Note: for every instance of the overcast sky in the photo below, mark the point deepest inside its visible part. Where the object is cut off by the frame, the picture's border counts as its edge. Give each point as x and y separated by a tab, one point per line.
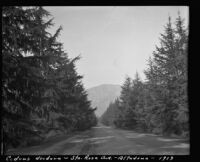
112	41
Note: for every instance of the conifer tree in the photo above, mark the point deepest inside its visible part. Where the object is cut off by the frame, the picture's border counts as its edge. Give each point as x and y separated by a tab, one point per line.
182	118
34	68
124	106
164	74
159	105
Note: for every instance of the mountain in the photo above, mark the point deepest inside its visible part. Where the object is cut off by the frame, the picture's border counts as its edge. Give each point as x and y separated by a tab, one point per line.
101	96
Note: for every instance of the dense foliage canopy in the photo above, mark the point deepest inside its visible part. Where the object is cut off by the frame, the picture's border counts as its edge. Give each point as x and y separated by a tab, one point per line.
160	104
41	90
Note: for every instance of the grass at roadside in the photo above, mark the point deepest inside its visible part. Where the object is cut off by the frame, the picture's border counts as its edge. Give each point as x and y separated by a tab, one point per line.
48	142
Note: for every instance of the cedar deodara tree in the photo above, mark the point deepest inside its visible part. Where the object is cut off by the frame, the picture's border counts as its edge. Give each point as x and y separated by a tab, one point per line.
39	82
167	79
159	104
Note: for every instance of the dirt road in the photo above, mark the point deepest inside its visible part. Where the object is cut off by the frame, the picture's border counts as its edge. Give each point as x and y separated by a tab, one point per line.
102	140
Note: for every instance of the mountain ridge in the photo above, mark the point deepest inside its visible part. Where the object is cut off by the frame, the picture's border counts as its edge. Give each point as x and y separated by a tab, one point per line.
101	96
102	85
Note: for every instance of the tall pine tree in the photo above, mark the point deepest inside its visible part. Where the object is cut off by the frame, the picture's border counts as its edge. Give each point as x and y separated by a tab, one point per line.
34	68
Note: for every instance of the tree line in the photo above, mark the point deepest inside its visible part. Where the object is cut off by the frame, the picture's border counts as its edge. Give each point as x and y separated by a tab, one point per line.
160	103
41	90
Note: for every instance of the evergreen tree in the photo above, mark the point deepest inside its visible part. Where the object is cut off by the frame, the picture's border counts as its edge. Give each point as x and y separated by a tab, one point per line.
124	106
131	104
138	104
165	71
39	81
159	105
182	118
22	76
110	115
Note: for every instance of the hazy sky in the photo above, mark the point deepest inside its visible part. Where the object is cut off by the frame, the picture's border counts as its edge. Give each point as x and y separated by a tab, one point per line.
112	41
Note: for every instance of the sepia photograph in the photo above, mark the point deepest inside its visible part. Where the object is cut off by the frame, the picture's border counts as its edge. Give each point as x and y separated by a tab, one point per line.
95	80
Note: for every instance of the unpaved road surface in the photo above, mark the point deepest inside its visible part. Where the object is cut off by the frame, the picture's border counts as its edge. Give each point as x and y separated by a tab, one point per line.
102	140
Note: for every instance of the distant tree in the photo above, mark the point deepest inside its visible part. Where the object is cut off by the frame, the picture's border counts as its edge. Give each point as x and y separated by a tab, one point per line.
109	116
124	103
130	110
